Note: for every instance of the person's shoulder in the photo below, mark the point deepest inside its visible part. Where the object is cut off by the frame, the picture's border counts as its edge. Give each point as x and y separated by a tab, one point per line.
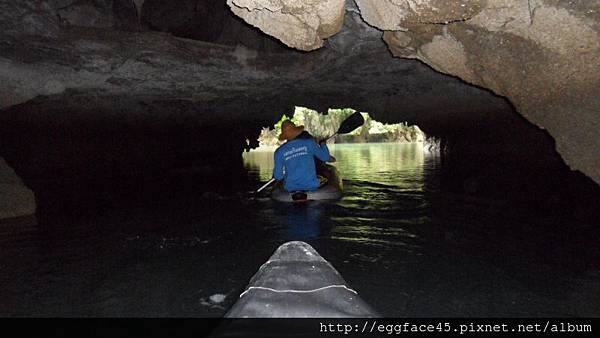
305	140
309	141
281	147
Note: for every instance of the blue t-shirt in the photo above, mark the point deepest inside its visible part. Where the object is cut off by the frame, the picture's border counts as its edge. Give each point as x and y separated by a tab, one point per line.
295	164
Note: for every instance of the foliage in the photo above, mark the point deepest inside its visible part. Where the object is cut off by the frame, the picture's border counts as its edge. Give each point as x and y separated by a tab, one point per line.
324	125
283	118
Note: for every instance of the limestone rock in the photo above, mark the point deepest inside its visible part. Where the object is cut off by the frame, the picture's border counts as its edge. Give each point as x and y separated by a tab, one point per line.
301	25
395	15
542	55
16	200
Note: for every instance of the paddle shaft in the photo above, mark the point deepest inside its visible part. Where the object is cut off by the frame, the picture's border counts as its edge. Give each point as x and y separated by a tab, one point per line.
266	185
327	139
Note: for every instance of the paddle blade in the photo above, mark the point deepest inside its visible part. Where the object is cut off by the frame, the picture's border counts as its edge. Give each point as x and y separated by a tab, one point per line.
352	122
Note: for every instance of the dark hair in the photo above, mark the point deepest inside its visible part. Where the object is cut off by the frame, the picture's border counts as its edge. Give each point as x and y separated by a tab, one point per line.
304	135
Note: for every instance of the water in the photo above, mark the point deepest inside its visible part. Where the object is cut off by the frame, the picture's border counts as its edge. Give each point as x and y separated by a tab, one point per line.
407	246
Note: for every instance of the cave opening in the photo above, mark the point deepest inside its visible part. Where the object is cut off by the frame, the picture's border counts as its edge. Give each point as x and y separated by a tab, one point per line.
370	150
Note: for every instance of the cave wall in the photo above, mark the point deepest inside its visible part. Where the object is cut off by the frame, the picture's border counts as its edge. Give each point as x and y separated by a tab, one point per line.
187	18
47	17
209	21
137	66
16	199
543	55
75	149
112	14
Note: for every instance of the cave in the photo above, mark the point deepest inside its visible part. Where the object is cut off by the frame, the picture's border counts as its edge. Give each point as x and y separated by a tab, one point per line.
123	124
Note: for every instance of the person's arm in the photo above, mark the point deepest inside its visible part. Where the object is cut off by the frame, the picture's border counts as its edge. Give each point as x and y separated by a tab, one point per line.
321	152
278	169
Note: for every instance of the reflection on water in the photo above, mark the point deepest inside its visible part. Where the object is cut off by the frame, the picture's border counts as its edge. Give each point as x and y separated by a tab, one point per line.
260	162
397	164
386	181
414	250
407	247
303	222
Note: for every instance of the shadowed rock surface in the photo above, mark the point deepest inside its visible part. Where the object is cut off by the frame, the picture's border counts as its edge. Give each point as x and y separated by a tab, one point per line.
16	200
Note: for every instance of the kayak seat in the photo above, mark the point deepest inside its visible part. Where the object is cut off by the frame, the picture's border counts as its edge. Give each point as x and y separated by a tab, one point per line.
299	196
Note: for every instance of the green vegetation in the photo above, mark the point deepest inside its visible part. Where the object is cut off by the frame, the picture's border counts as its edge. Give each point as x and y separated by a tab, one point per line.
324	125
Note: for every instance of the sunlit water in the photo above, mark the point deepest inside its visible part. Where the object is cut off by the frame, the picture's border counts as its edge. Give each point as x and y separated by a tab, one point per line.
407	247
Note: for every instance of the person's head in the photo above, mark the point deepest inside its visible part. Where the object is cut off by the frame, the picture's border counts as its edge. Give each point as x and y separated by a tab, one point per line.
289	130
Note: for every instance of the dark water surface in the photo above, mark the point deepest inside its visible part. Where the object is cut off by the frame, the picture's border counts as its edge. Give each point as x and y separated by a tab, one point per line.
408	247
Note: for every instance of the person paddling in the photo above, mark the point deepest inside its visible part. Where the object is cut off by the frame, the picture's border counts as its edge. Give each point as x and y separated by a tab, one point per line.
294	160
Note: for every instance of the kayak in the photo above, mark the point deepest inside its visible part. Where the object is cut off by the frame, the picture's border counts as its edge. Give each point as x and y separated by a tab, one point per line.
296	282
331	190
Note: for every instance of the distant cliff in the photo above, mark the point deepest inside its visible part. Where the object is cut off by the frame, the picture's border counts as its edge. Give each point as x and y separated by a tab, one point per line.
325	125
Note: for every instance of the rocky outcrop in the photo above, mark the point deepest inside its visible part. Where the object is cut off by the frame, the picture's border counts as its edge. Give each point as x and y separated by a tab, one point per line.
16	200
302	25
219	79
543	55
206	20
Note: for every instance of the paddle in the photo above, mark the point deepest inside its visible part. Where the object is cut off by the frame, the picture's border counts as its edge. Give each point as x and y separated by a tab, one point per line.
266	185
349	124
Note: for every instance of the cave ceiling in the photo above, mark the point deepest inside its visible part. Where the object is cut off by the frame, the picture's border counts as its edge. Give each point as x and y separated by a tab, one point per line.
233	81
199	55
